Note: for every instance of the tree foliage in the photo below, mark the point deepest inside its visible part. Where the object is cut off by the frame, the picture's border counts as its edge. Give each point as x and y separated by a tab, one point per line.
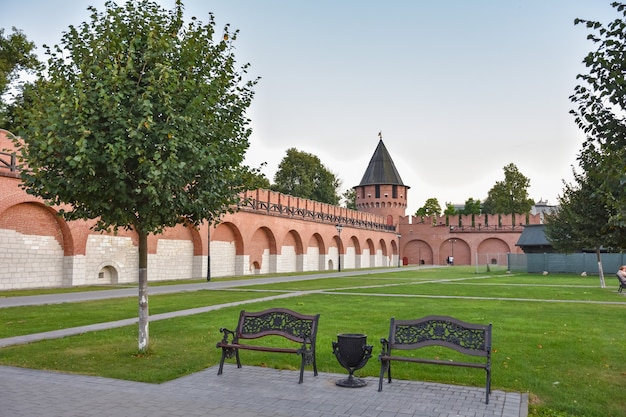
450	210
349	199
16	55
472	206
139	122
581	218
509	196
430	208
303	175
600	101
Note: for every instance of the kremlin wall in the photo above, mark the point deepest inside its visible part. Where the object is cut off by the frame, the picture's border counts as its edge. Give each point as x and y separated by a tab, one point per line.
270	233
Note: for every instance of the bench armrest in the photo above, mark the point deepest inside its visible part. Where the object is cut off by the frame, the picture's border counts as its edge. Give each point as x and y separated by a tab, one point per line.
386	350
227	332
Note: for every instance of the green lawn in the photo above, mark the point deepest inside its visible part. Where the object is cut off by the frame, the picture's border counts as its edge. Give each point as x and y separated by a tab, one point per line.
560	338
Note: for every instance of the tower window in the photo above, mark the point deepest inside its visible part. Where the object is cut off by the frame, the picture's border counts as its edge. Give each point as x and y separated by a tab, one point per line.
377	191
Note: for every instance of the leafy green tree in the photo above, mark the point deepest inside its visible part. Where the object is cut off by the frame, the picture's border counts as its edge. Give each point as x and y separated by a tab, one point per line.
139	122
601	104
430	208
471	206
580	222
450	209
16	56
349	199
258	180
509	196
302	174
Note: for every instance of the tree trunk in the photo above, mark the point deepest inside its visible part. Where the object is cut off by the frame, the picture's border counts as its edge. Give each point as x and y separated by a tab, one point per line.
600	270
144	316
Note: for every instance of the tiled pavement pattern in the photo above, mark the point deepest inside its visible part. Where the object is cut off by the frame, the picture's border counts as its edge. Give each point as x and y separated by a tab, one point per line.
246	392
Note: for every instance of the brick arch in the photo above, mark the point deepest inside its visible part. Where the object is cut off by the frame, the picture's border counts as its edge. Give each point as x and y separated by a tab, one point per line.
178	232
317	239
383	247
368	259
226	247
316	248
394	247
291	252
228	232
354	243
460	249
357	244
263	243
416	251
369	243
492	250
31	217
293	238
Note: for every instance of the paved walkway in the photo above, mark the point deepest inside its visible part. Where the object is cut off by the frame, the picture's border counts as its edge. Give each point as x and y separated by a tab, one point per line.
246	392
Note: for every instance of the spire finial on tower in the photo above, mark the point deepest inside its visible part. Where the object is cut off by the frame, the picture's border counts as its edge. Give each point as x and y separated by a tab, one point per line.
380	135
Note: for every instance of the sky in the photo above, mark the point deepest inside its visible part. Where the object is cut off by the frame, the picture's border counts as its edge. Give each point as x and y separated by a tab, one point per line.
458	89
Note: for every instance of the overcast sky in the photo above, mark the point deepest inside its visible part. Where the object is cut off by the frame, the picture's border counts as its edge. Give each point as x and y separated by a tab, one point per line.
458	88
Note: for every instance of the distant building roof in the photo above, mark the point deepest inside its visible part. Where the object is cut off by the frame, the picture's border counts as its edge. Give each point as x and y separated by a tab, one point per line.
533	238
381	169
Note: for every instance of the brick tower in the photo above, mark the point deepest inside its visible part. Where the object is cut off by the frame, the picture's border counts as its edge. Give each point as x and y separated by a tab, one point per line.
381	190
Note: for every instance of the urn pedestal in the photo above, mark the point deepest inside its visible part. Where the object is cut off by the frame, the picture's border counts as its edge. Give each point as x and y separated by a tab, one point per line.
352	352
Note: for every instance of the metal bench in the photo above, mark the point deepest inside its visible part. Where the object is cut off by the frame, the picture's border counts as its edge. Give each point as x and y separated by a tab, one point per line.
466	338
294	326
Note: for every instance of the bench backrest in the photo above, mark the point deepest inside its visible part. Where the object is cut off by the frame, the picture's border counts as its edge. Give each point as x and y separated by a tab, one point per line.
468	338
278	322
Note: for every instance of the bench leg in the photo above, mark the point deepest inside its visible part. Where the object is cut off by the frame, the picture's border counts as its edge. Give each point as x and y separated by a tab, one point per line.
301	370
221	368
224	354
385	366
488	387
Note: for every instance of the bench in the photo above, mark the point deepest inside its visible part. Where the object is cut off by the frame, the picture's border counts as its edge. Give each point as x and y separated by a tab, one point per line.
466	338
294	326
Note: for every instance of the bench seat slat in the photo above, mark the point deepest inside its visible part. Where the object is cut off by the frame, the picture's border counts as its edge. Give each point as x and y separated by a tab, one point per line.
259	348
433	361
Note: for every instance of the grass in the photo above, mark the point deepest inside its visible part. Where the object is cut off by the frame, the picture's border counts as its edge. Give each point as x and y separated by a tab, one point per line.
560	337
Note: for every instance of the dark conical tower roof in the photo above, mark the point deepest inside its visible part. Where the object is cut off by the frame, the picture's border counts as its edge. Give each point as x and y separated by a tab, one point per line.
381	169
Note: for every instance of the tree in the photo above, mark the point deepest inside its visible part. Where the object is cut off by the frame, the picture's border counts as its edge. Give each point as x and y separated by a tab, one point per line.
580	221
139	122
471	206
258	180
600	114
349	199
302	174
450	209
430	208
16	55
509	196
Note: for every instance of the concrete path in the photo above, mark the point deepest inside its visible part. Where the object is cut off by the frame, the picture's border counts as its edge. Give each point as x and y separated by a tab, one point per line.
250	391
